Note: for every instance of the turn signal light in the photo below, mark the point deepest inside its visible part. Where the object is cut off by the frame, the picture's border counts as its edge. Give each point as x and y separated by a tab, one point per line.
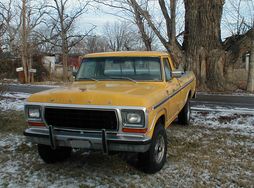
134	130
36	124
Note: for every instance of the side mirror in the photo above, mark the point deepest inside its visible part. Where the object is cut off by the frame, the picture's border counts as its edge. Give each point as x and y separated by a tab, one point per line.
177	73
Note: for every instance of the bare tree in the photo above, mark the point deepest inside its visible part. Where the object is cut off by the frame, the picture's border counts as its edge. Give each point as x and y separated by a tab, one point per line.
62	20
130	14
11	24
146	35
95	43
202	50
169	40
119	36
238	16
31	17
2	30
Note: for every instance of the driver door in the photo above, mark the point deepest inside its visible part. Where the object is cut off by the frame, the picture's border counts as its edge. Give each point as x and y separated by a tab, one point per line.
172	87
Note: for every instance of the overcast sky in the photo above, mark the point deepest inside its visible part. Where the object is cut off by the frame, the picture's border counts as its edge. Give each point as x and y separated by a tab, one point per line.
101	15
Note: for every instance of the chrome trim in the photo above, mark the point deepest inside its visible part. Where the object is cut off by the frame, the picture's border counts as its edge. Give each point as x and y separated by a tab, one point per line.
172	95
117	110
132	143
85	106
130	135
177	73
33	119
135	126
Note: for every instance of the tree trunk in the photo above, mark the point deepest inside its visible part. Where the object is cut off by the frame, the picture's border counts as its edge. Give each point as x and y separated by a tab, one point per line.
202	42
250	85
65	67
65	55
145	38
30	60
172	47
24	53
65	61
141	26
173	20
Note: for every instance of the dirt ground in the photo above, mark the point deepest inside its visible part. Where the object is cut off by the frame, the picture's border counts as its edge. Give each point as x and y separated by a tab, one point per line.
199	155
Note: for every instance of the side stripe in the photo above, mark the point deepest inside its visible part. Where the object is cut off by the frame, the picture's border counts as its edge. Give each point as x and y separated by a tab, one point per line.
172	95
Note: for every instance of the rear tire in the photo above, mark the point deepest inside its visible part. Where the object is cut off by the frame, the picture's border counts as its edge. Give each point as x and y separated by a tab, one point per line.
154	159
50	155
184	115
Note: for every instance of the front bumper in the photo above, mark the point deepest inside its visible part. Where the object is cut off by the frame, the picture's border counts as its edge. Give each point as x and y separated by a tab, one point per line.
103	140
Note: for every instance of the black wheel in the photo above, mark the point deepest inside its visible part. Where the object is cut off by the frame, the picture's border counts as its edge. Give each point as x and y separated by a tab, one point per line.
154	159
184	115
50	155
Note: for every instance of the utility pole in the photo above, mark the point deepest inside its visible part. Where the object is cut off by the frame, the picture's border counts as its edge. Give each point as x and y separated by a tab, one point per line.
250	85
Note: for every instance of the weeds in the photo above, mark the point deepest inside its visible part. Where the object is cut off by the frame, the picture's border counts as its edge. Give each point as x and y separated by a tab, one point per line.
12	121
3	89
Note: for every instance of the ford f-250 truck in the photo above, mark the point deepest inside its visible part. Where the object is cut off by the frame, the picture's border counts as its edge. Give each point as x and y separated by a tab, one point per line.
120	101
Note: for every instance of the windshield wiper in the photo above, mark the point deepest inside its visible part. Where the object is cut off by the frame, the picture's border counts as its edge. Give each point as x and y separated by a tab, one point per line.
88	78
122	78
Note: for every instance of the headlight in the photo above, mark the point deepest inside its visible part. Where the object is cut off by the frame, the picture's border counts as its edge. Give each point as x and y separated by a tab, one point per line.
133	118
34	112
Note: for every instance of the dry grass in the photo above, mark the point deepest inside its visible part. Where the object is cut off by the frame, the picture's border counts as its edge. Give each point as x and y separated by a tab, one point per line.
3	88
12	122
197	157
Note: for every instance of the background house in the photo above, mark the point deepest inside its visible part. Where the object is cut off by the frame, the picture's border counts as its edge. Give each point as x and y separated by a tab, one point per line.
237	69
53	63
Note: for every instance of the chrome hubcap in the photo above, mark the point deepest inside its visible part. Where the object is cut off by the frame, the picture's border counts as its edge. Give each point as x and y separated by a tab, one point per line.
159	149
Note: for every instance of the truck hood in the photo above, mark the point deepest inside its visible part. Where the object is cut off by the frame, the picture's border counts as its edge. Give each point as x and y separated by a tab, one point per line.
104	93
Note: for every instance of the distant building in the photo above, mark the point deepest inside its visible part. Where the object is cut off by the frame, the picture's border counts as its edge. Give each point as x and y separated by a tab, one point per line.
49	62
53	63
238	66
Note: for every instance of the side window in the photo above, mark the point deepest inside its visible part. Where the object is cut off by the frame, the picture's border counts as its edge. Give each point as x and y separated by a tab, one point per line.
167	69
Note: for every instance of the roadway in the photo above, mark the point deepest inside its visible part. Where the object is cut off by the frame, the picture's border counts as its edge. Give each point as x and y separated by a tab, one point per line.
208	100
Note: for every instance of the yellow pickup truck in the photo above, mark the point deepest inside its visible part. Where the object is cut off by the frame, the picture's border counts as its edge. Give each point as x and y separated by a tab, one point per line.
120	101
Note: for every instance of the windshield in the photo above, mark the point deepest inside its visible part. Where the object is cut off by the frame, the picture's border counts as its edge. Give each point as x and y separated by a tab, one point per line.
125	68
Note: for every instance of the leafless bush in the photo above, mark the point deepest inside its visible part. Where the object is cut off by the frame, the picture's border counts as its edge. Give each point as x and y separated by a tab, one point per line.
4	73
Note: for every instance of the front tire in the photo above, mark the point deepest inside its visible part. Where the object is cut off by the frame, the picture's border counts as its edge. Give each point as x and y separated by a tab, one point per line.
154	159
184	115
50	155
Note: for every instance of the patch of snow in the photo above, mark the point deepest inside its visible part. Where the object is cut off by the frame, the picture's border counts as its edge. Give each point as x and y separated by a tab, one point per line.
226	94
20	165
36	85
222	109
13	101
7	80
236	121
16	95
11	142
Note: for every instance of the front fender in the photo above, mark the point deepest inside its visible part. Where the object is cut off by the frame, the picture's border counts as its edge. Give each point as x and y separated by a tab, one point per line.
153	119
